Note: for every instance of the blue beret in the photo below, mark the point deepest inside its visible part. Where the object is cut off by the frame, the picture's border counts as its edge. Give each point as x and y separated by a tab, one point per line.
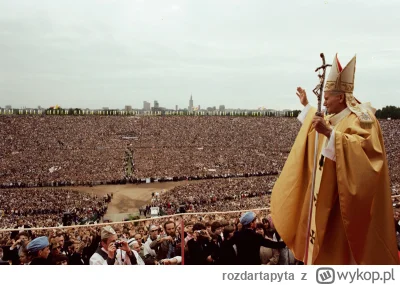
38	244
247	218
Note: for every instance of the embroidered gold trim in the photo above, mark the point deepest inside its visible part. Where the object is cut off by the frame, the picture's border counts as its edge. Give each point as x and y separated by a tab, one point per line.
366	120
339	86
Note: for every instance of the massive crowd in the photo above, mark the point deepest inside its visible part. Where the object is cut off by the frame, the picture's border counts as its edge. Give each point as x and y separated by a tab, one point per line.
51	151
391	132
68	150
46	207
77	245
206	239
217	195
58	151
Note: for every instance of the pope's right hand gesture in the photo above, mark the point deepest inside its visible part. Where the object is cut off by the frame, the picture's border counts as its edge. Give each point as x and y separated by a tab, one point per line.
301	93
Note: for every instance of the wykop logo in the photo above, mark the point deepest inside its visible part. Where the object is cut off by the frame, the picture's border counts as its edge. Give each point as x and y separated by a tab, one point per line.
325	275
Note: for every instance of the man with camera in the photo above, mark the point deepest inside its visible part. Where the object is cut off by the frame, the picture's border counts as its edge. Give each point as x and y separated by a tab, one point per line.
111	251
166	247
202	250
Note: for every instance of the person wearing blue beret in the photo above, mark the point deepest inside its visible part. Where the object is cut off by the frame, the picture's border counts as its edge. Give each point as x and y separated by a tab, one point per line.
39	250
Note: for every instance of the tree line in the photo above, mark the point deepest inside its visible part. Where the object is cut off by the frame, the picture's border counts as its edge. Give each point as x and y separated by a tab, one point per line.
392	112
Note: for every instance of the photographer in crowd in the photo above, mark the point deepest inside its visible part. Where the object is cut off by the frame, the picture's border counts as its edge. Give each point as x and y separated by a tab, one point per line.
201	248
111	251
167	248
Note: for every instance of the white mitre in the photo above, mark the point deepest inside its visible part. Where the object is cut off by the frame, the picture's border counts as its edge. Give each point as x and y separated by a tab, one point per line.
341	80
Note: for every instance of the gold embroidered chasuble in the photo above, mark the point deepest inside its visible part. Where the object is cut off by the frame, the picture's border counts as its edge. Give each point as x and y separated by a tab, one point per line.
352	215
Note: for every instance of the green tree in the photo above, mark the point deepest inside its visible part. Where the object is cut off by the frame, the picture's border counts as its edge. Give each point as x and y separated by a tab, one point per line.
392	112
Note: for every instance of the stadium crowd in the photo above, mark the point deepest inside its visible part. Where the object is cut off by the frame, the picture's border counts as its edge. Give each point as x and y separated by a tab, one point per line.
150	240
207	239
69	151
217	195
59	151
46	207
391	132
92	150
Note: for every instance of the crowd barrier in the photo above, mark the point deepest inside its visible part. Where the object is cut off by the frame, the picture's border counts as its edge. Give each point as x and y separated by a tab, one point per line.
229	217
179	220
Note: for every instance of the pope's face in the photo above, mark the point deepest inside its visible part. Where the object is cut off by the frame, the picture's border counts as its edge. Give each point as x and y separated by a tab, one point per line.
334	102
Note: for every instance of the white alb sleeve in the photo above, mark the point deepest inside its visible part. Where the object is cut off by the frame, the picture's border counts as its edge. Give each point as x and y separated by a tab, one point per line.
329	151
302	116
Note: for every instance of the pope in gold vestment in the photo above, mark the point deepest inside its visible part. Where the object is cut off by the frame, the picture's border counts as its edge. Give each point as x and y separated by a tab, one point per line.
352	220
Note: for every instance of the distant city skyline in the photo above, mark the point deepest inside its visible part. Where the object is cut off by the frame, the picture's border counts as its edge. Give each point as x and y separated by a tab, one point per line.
241	54
146	105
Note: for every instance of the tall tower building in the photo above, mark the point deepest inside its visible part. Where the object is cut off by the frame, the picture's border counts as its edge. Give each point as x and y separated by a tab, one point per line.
191	103
146	106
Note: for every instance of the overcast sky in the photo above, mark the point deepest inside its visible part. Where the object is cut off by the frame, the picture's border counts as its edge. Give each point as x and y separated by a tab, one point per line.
241	53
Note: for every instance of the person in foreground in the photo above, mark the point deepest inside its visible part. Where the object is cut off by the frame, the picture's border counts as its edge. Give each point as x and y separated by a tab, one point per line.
39	250
248	242
108	252
352	220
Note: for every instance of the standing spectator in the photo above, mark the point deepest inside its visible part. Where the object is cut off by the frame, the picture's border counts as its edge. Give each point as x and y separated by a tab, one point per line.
11	253
2	262
39	250
167	247
134	244
75	257
60	259
228	251
139	237
201	248
397	227
188	231
147	251
21	227
248	242
24	257
216	228
60	239
108	254
268	256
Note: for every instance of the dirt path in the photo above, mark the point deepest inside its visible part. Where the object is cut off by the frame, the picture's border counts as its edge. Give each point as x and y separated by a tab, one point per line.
128	198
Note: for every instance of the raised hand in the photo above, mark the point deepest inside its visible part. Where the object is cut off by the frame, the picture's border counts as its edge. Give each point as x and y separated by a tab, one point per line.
301	93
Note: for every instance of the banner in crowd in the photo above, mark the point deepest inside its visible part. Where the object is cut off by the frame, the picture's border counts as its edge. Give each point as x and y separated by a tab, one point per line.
80	112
